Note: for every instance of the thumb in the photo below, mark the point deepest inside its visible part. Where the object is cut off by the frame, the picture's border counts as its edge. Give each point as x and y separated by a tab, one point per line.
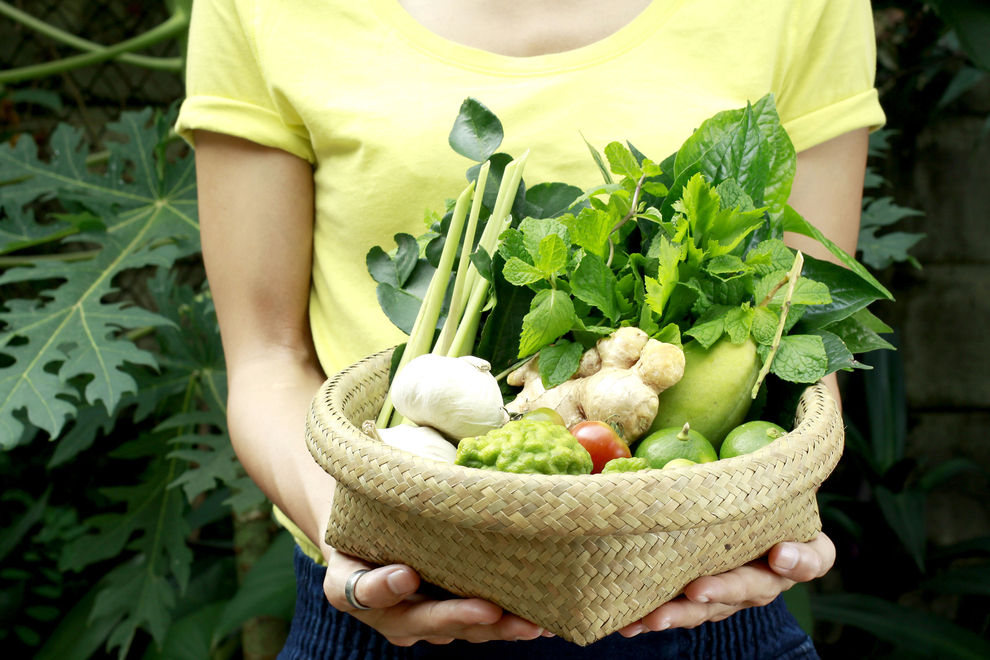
379	587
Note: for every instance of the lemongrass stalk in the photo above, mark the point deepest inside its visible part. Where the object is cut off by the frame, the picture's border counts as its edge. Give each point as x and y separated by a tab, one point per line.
499	221
511	176
459	297
421	337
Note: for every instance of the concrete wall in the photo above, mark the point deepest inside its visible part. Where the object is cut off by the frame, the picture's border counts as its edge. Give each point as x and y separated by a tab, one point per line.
942	312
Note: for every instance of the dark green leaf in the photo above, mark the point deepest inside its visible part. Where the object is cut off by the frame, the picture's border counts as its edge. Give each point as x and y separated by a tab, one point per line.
599	161
839	355
971	22
973	579
190	636
553	199
849	292
74	330
858	335
11	536
905	513
559	362
394	271
477	132
792	221
946	471
882	250
919	632
268	589
482	262
76	638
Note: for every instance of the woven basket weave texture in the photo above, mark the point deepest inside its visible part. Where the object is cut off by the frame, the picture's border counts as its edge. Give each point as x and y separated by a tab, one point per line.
581	556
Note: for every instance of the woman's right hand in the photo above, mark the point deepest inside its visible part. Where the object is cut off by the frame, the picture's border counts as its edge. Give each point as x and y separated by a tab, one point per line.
405	617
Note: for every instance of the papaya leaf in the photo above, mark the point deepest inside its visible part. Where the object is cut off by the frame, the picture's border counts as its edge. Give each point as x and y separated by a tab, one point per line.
67	346
140	592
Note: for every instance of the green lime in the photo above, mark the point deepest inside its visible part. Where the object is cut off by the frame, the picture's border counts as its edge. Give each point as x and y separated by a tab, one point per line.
663	446
679	463
749	437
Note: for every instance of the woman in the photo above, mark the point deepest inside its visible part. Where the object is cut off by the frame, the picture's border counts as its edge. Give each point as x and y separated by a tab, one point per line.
319	128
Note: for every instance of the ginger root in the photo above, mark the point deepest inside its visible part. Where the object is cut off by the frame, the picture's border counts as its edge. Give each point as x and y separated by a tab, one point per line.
618	381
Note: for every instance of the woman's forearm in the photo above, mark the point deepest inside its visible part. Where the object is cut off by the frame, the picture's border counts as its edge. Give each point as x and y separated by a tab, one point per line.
267	406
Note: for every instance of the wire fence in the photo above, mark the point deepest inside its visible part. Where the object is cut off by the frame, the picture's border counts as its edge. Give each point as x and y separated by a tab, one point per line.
88	96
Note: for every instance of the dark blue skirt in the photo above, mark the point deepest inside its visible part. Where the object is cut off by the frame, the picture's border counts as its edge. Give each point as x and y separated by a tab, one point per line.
319	632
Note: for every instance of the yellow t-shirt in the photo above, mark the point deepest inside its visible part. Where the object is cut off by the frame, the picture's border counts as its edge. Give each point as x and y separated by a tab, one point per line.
368	95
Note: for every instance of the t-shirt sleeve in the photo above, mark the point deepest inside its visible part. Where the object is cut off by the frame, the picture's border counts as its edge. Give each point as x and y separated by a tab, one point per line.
828	85
226	88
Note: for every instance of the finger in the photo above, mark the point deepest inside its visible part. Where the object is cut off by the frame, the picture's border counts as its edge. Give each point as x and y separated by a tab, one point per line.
748	585
472	619
802	562
380	587
684	613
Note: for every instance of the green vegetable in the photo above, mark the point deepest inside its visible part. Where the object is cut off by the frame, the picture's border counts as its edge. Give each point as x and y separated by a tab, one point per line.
690	246
713	396
631	464
676	442
526	446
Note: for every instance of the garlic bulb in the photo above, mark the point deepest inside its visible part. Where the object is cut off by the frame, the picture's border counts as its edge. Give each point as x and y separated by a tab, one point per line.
419	440
457	396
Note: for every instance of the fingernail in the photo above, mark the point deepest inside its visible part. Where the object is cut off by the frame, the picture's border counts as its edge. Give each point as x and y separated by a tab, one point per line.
664	625
637	629
547	633
787	558
400	581
703	598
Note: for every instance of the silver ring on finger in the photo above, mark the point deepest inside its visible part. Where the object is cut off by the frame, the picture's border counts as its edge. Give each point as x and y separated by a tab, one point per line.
349	589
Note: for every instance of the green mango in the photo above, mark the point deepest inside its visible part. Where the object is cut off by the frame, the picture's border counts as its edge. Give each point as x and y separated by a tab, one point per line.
714	394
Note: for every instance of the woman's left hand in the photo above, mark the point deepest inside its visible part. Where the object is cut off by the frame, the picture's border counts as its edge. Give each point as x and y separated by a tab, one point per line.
716	597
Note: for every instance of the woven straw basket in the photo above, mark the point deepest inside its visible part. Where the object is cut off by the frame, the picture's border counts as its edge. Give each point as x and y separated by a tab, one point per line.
581	556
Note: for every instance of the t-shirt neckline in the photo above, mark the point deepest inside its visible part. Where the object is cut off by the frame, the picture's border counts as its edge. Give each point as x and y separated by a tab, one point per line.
393	15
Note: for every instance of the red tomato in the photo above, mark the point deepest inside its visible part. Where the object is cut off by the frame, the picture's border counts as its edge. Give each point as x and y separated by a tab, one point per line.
601	441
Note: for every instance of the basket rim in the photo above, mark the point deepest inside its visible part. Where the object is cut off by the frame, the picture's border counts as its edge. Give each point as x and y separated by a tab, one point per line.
549	503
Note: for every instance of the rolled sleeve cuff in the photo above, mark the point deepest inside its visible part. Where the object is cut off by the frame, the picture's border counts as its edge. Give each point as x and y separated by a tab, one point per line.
814	128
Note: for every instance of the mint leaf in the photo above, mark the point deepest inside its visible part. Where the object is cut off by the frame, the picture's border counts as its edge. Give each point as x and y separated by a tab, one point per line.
512	245
770	255
621	161
801	359
739	322
764	325
477	132
590	230
535	230
551	314
559	362
594	283
519	273
710	328
806	292
552	256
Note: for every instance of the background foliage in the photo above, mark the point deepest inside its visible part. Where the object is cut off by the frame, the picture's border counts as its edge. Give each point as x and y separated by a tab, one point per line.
129	528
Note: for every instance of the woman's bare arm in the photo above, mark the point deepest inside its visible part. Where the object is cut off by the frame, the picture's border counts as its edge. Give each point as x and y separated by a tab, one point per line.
256	223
